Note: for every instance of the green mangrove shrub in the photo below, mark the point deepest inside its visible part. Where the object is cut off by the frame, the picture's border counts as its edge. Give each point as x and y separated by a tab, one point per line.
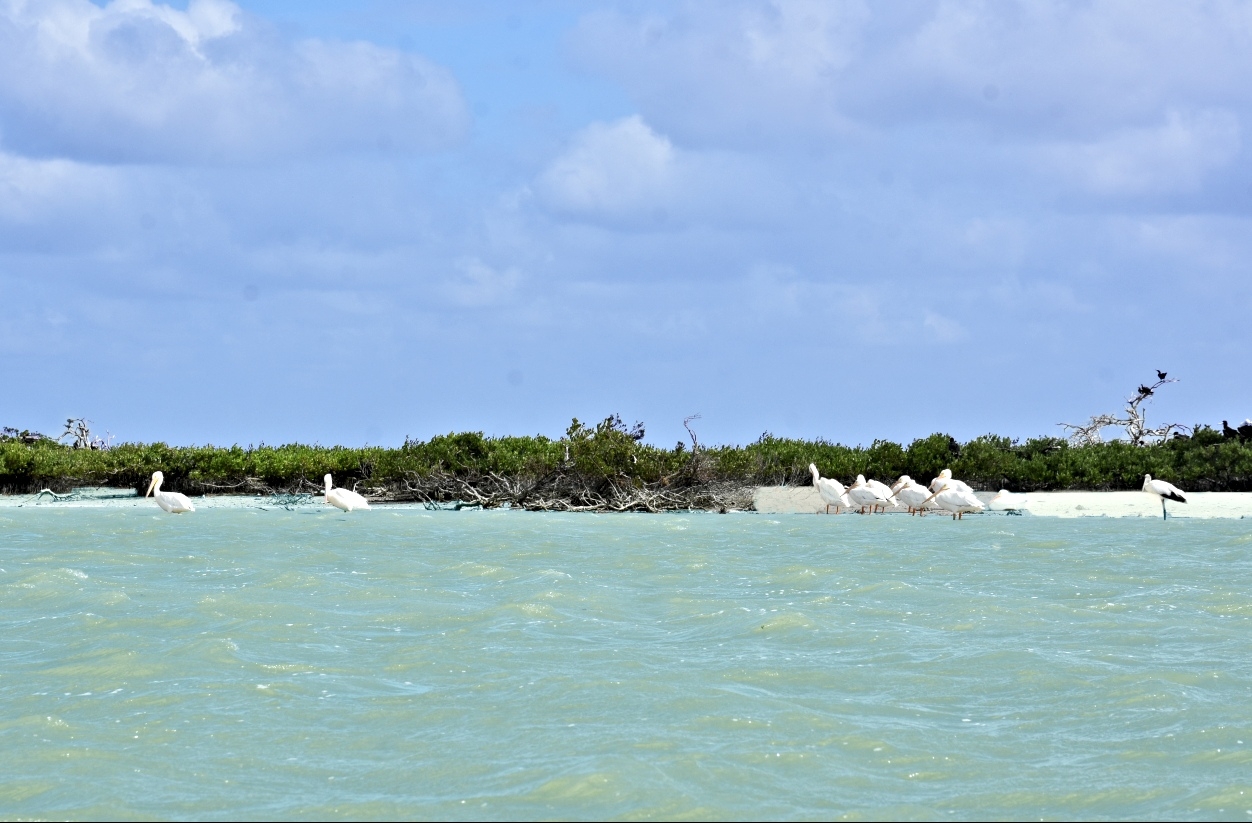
610	454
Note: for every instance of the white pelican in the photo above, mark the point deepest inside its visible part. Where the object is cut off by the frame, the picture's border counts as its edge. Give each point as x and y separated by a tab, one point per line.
955	501
831	490
863	494
886	491
343	498
911	493
1007	501
1163	490
945	476
172	502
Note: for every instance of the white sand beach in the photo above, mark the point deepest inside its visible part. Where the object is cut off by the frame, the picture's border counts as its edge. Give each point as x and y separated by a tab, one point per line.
766	499
1234	505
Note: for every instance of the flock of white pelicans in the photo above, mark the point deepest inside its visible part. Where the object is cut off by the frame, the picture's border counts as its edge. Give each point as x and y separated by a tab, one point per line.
944	494
178	503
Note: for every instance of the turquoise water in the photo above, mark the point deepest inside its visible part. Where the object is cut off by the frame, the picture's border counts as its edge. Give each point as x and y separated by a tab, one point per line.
404	663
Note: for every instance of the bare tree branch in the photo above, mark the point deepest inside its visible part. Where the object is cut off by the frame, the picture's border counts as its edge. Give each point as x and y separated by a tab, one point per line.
1134	423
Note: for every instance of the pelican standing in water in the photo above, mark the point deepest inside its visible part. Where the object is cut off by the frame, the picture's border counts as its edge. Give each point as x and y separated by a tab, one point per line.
911	493
945	477
1163	490
955	501
172	502
863	494
885	491
343	498
831	490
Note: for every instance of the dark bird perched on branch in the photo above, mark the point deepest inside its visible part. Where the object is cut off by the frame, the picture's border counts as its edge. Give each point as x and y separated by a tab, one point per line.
1137	431
1245	431
1228	432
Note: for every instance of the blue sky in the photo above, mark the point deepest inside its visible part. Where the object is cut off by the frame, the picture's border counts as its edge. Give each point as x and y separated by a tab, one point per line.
352	222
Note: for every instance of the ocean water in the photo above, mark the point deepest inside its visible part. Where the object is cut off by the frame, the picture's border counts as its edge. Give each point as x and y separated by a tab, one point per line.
302	663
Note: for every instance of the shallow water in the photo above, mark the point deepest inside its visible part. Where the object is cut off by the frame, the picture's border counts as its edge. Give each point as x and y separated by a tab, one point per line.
402	663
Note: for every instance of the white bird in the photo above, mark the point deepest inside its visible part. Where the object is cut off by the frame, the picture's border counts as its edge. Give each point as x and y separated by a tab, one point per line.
343	498
956	501
172	502
883	489
863	494
831	490
911	493
945	476
1163	490
1007	501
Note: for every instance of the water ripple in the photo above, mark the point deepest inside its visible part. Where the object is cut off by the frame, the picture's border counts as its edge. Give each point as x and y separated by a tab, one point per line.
509	664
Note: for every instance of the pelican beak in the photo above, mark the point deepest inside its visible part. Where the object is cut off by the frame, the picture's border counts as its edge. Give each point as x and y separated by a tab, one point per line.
932	497
150	485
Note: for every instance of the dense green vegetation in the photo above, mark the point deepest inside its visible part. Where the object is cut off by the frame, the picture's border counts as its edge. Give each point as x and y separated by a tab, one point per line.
610	455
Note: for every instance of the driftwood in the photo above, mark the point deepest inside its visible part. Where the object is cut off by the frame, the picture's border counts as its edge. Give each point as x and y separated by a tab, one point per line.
556	492
562	490
567	492
249	485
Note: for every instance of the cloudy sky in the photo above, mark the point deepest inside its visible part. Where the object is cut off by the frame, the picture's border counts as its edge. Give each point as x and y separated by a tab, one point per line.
352	222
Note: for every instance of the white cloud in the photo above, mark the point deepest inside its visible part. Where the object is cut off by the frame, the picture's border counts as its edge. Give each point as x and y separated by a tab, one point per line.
733	74
136	81
729	73
1174	156
943	329
1056	67
614	169
479	284
32	191
59	206
845	316
626	174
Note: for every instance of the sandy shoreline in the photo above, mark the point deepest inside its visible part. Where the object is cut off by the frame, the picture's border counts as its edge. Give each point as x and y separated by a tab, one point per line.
1231	505
766	499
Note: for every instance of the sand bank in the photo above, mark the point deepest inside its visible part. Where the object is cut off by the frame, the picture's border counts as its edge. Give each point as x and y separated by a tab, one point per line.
766	499
1235	505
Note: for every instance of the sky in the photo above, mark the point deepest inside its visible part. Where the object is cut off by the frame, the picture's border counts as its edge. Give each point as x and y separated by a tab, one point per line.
357	222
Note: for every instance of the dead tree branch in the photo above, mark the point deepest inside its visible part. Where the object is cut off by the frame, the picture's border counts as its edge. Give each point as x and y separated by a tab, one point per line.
1134	423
